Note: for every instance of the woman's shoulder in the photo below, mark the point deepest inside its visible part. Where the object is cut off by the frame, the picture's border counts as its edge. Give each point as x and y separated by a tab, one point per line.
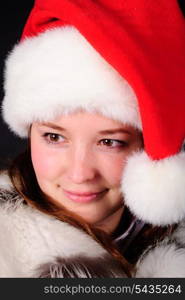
8	195
165	258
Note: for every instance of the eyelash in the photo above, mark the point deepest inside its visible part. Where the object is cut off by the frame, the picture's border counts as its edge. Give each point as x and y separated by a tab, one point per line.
120	143
106	142
47	137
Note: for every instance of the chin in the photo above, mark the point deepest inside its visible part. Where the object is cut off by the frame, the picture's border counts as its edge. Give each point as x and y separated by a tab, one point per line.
92	220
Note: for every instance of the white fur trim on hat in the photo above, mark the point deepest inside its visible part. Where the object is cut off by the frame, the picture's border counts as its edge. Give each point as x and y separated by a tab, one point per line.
59	72
154	190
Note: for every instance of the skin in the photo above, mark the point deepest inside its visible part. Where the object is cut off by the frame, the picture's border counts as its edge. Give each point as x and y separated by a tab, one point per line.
84	152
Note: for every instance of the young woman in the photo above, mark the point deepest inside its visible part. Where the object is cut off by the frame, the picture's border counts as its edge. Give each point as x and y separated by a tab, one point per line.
100	190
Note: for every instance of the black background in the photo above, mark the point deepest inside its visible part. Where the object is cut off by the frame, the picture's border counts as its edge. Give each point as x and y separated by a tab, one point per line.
13	15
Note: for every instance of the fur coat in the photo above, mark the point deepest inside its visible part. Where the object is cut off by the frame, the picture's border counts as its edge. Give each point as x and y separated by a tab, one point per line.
34	244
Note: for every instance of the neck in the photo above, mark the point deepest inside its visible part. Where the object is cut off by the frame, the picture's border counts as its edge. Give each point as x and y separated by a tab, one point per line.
110	223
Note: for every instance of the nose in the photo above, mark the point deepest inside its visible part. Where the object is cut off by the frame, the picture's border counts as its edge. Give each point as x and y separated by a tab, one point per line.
81	168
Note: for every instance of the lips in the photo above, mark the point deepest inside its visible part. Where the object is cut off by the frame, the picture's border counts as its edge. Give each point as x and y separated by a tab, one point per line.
83	197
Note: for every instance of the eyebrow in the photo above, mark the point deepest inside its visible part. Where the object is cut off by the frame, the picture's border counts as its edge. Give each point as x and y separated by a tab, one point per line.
54	126
113	131
107	131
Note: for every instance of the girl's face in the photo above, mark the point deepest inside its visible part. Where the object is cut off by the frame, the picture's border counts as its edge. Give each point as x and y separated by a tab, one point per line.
79	160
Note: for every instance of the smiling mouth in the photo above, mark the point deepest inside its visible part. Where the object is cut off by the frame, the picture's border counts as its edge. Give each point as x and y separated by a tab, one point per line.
84	197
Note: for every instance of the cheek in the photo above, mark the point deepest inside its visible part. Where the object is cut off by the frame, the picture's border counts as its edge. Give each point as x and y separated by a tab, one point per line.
112	169
45	163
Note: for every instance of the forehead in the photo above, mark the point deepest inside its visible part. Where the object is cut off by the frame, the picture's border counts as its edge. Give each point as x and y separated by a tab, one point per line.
87	120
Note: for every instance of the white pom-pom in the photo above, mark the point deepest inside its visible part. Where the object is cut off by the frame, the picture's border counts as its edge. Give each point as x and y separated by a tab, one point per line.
154	190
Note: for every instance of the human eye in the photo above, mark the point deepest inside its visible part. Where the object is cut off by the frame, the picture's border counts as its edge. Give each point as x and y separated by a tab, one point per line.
113	143
53	138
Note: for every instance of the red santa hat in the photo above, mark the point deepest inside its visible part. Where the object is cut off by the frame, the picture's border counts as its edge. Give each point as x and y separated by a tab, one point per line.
124	59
